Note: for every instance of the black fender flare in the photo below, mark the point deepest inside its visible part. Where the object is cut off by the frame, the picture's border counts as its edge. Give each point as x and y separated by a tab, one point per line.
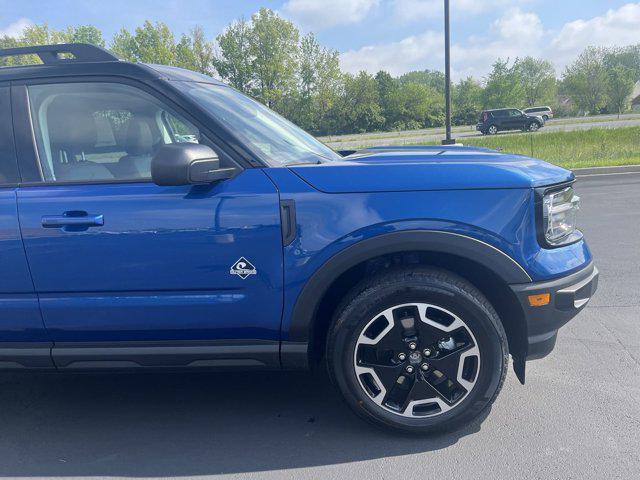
306	306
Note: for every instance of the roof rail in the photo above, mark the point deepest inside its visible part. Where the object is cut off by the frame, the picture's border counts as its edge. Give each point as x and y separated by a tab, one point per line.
52	54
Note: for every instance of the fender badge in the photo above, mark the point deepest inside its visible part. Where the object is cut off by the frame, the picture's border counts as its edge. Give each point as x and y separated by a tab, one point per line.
243	268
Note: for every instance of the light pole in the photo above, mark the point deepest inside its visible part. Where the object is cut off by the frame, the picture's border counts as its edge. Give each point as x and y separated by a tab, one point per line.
447	76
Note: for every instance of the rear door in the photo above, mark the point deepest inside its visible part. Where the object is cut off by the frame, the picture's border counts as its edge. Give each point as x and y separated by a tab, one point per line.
23	339
132	272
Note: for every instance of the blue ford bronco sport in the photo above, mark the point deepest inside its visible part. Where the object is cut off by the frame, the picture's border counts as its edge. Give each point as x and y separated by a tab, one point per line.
155	218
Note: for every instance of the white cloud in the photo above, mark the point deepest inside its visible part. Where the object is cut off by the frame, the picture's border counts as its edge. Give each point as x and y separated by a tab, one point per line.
321	14
518	26
615	28
414	10
15	29
412	53
516	33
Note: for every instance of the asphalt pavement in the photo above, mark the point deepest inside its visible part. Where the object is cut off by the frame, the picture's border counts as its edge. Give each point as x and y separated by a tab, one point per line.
578	416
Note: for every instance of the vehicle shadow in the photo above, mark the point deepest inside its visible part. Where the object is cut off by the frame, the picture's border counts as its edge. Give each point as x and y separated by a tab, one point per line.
148	425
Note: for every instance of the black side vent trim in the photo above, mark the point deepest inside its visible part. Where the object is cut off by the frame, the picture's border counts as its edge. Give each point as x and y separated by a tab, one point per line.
288	221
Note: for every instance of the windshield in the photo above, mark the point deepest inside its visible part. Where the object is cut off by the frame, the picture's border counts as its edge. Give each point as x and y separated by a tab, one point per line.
275	140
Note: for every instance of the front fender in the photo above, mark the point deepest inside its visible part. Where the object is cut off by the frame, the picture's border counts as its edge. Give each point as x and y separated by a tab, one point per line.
434	241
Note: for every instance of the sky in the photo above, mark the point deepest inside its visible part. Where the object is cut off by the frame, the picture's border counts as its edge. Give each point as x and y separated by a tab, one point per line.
393	35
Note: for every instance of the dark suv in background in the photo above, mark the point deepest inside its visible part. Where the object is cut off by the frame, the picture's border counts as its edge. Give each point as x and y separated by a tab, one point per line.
494	121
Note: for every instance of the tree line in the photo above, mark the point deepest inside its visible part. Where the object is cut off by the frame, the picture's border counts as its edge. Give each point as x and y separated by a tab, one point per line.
266	57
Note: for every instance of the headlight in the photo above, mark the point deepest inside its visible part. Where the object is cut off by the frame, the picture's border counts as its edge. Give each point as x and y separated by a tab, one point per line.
559	216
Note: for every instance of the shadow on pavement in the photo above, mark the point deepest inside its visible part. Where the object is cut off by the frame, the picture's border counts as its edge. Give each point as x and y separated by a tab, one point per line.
184	424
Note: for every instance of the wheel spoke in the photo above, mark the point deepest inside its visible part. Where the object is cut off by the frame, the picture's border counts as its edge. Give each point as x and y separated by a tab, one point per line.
421	390
413	359
445	375
388	375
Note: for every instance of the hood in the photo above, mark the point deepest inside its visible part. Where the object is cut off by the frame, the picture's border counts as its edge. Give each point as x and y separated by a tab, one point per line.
392	169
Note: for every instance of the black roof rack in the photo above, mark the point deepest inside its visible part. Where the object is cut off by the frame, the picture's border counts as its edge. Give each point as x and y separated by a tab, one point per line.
51	54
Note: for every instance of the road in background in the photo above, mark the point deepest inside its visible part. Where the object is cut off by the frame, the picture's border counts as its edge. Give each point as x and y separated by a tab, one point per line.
348	142
578	416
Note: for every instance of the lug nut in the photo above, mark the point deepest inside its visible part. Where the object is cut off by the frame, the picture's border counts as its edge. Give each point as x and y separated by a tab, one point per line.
409	369
402	357
424	366
413	345
427	352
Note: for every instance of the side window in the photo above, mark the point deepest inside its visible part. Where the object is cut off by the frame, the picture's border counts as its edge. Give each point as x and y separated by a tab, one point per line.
101	131
514	113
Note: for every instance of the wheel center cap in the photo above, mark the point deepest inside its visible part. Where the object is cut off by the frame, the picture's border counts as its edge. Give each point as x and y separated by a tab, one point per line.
415	357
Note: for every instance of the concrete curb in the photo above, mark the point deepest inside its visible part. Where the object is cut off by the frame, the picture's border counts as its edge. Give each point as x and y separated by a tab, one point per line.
581	172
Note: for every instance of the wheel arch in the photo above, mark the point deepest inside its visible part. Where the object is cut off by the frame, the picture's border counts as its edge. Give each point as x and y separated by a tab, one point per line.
487	267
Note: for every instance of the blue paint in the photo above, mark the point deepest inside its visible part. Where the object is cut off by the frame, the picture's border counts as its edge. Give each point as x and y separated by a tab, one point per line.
430	169
158	269
152	263
20	319
328	223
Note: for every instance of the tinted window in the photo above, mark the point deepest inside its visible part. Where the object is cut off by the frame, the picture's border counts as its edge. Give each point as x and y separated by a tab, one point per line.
101	131
8	165
500	113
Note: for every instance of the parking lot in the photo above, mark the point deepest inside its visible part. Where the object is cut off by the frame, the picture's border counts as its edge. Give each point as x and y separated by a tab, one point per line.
578	416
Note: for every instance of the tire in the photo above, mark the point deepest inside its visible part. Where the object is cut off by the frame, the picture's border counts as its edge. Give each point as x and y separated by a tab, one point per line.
492	130
474	351
545	117
534	127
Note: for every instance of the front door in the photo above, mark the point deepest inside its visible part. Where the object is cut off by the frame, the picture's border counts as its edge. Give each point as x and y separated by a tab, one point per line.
128	270
515	120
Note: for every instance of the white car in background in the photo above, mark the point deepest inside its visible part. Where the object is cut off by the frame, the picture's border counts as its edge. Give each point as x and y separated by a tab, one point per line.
545	112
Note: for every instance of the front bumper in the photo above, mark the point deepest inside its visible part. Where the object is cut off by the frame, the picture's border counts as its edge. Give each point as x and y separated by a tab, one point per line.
568	295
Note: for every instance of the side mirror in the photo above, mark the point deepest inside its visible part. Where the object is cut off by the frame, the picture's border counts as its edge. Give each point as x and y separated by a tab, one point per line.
187	164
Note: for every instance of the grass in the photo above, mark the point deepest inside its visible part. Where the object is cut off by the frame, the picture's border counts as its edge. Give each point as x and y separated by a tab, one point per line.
593	119
407	134
596	147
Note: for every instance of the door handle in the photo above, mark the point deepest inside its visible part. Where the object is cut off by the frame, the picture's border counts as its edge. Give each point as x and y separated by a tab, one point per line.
72	219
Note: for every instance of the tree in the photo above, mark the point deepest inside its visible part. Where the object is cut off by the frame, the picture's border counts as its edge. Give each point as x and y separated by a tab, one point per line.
503	88
627	57
358	109
150	44
466	101
273	48
234	62
318	77
266	57
10	42
585	81
84	34
416	105
621	82
43	35
538	80
430	78
194	52
387	88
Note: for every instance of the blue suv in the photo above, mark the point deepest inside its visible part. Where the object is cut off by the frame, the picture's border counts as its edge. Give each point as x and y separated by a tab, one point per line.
155	218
